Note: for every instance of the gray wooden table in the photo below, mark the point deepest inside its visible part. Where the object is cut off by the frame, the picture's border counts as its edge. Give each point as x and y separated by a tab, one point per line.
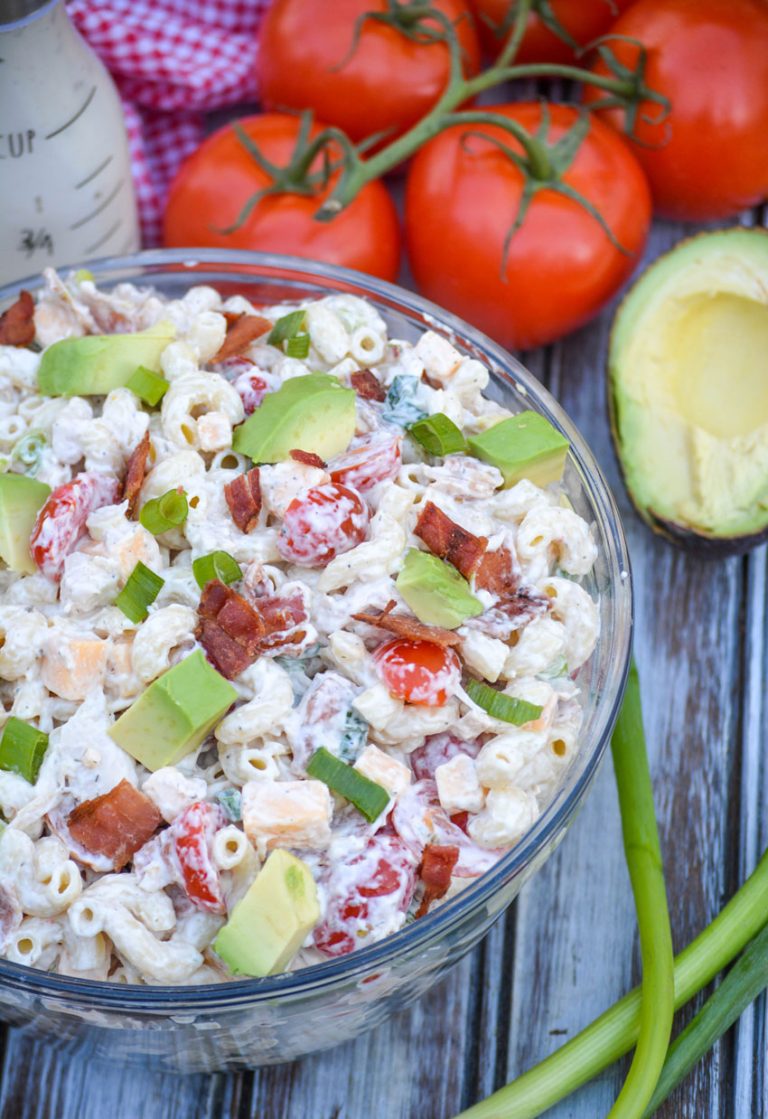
567	949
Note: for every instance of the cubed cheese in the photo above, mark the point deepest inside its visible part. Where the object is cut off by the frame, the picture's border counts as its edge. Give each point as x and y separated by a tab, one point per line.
458	786
71	666
287	814
214	431
386	771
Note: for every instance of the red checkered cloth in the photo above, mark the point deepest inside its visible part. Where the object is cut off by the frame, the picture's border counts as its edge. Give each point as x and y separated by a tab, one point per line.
172	60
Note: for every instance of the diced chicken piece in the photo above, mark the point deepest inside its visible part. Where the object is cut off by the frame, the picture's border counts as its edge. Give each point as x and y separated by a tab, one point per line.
386	771
71	666
458	786
287	813
441	359
172	792
214	430
508	814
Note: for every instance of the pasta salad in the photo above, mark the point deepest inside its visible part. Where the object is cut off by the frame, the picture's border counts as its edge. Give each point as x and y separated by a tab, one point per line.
291	618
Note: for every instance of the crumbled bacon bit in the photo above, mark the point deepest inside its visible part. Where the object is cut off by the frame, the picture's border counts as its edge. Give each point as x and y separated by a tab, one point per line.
498	573
450	541
243	496
134	474
412	628
241	331
512	614
229	629
283	616
17	324
435	872
367	385
116	824
309	458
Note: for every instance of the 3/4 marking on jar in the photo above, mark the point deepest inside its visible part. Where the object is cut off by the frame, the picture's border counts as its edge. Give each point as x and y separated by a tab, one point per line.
67	124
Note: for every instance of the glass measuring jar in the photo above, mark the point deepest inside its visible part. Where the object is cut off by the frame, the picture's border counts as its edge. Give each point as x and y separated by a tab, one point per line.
65	177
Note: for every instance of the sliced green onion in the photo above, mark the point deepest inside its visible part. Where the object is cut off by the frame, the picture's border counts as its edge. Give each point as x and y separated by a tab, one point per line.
148	386
28	451
232	803
22	748
298	346
368	798
216	565
508	708
83	274
286	328
646	873
166	512
140	591
438	435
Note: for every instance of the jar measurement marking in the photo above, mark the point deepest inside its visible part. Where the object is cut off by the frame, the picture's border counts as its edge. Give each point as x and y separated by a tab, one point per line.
78	114
15	144
112	229
93	174
95	213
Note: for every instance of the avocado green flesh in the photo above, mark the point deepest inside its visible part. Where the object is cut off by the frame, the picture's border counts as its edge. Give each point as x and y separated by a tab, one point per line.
21	499
523	446
176	712
436	593
312	413
268	926
99	363
688	371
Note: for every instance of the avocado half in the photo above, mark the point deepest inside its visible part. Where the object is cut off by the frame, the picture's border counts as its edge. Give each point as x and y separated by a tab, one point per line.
688	391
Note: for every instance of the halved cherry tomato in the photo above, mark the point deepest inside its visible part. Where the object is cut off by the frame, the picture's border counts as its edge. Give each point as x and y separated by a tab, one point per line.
419	819
61	521
375	459
321	524
419	672
364	893
193	831
582	20
385	84
437	750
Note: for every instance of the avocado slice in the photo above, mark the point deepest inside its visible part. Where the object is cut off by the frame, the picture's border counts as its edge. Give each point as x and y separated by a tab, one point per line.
311	413
98	363
435	591
268	926
688	391
21	499
523	446
173	716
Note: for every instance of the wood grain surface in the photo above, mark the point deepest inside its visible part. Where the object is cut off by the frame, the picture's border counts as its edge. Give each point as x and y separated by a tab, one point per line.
567	949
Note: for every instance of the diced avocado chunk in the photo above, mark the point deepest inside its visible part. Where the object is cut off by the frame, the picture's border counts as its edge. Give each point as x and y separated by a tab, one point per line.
21	499
523	446
98	363
173	716
435	591
312	413
268	926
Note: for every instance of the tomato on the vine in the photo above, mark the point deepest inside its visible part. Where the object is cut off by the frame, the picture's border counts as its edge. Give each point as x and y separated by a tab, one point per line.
321	524
707	158
384	82
217	181
463	195
583	21
419	672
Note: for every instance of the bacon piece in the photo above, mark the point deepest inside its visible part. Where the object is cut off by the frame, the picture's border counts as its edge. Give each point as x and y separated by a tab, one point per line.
134	474
229	629
241	331
243	496
450	541
498	573
283	616
408	627
116	824
17	324
435	872
512	614
309	458
368	386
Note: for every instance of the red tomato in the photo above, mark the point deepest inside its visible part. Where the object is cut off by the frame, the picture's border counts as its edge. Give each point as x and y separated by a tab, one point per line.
193	831
386	84
366	891
462	196
419	672
583	20
437	750
61	521
216	181
710	58
375	459
419	819
321	524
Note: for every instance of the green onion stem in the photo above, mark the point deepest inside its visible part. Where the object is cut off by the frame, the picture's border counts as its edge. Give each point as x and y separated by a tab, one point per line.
744	982
646	872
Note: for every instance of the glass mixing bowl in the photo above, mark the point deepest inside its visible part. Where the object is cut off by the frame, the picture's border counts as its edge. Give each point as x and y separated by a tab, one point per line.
250	1022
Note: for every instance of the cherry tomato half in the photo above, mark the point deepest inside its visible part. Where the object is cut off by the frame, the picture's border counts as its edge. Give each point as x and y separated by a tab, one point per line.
375	459
321	524
419	672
